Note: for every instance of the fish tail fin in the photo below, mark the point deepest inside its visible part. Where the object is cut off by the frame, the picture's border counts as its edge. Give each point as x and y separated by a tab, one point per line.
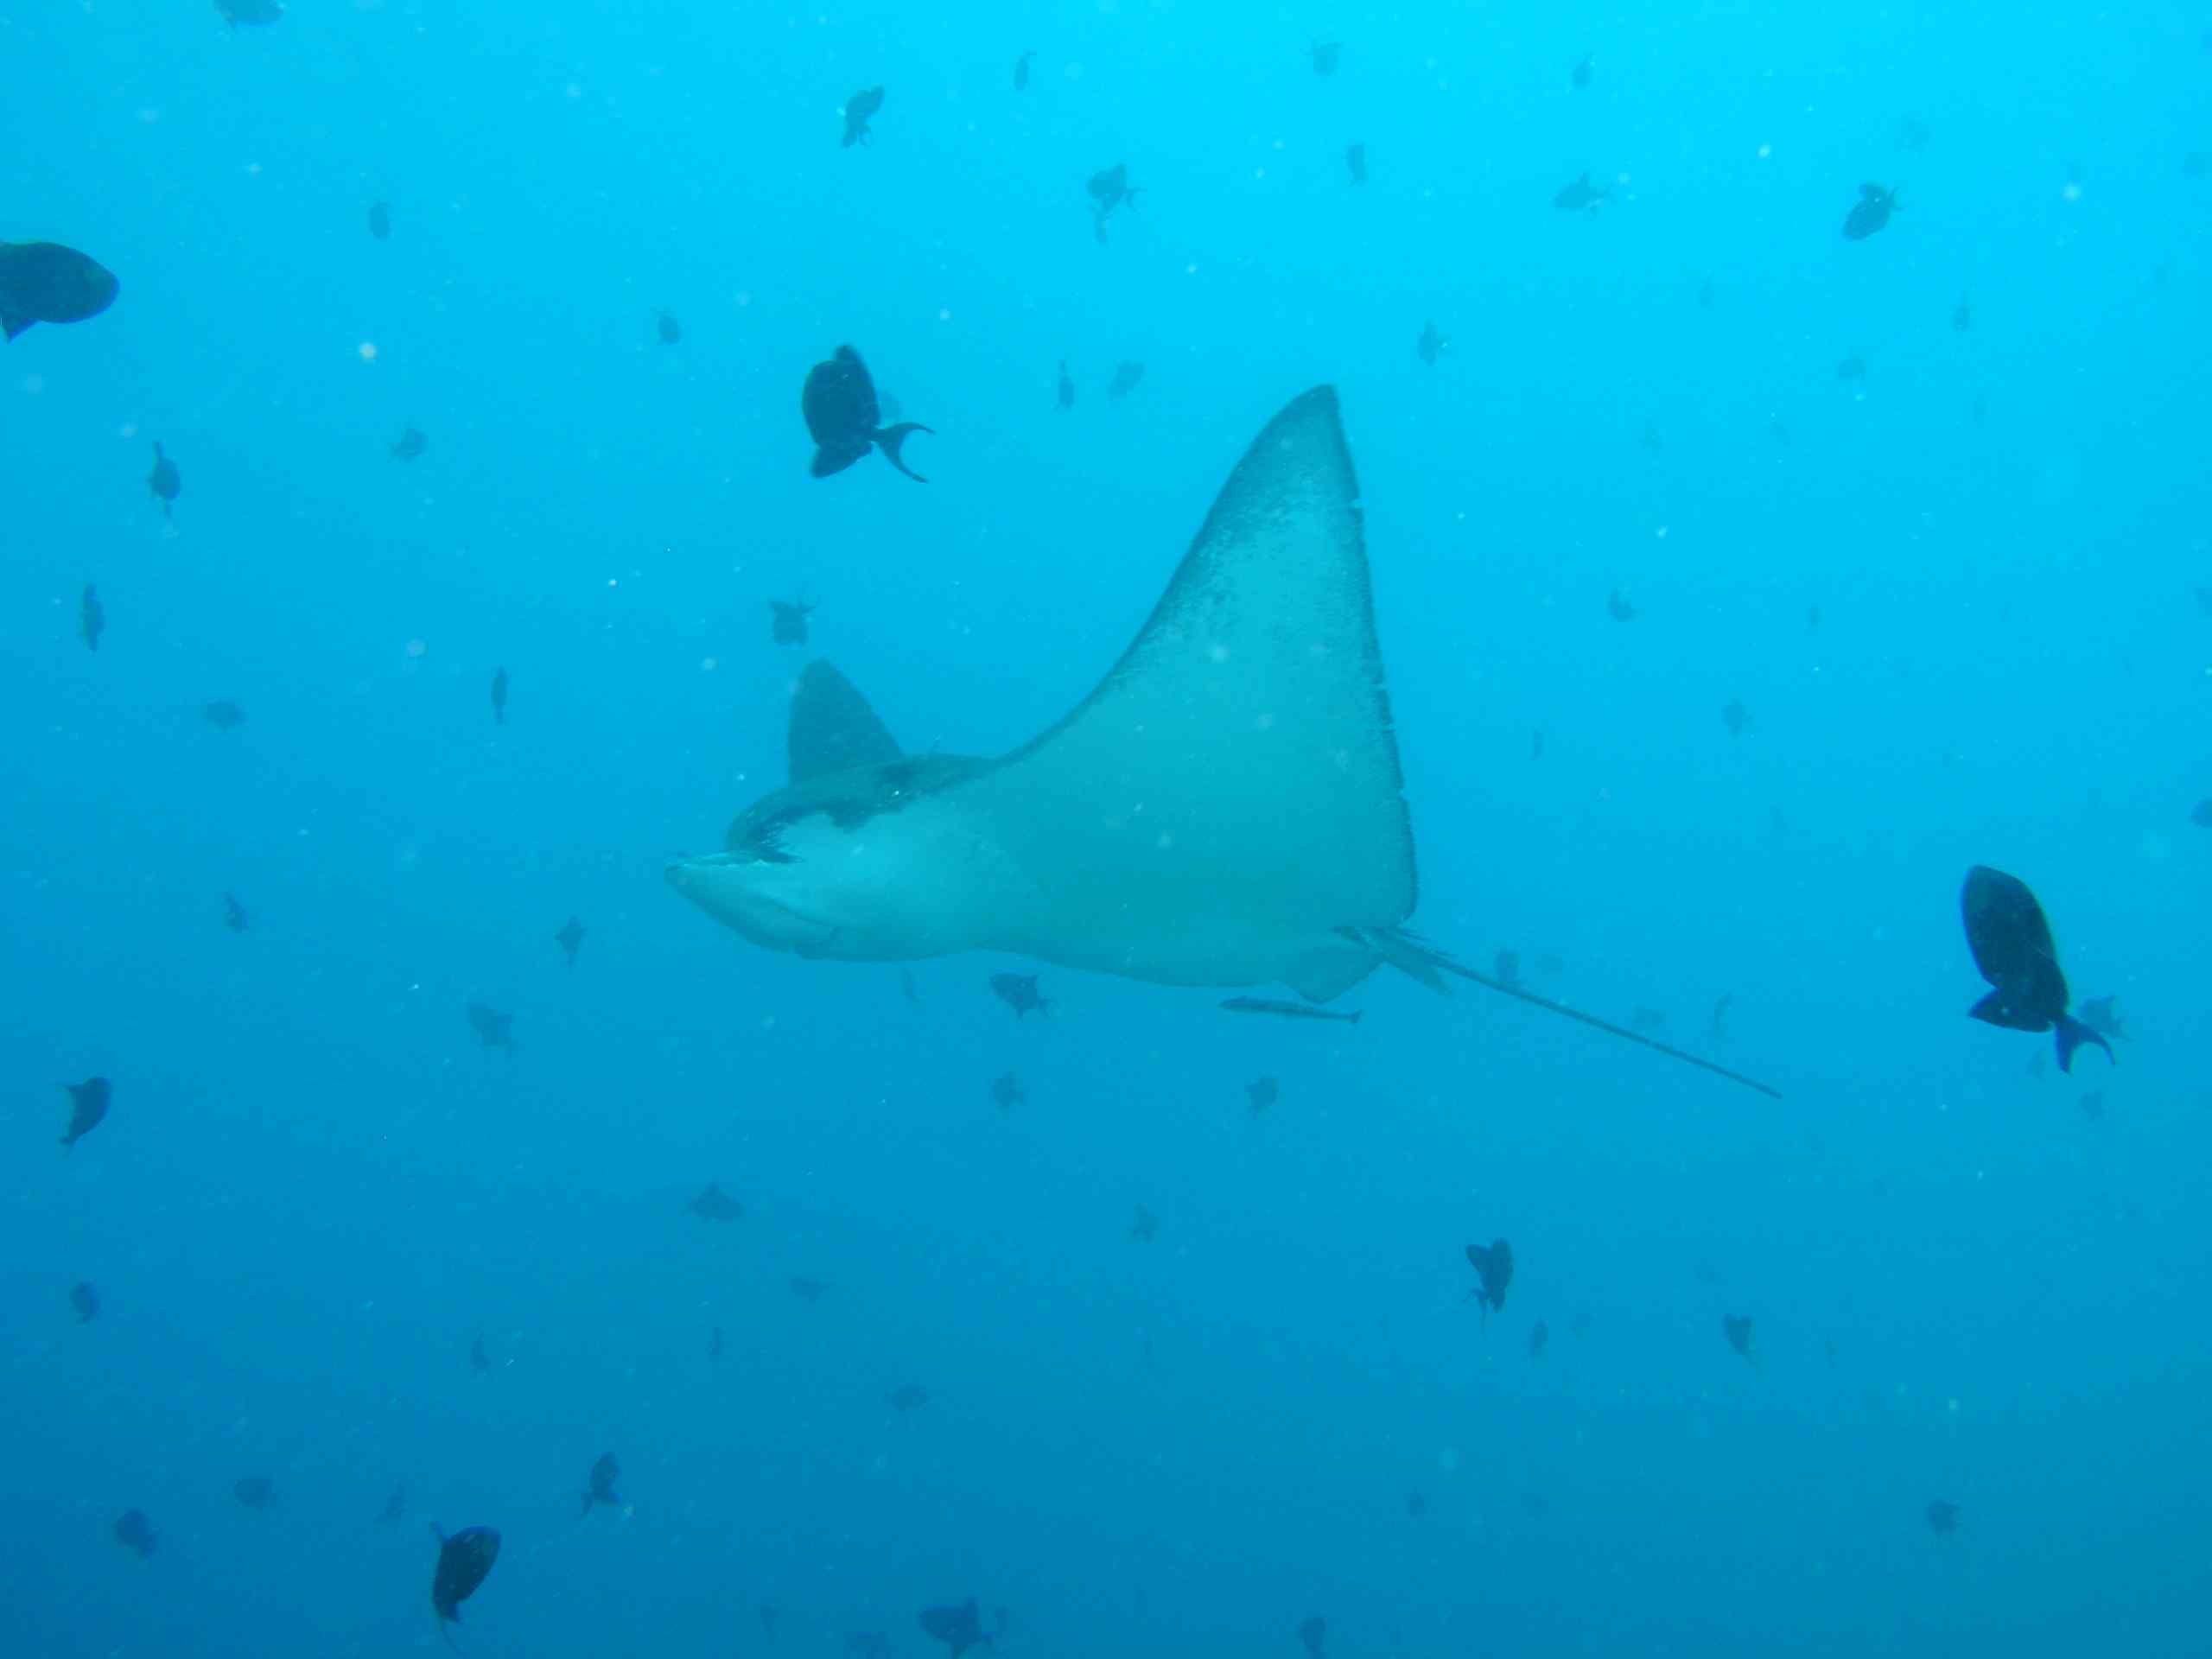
14	324
1356	1013
892	439
2072	1033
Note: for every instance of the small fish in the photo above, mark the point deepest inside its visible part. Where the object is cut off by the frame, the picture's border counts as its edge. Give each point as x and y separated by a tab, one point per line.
808	1290
1736	717
499	696
2101	1014
1943	1517
1416	1505
1356	163
908	1397
234	917
859	109
88	1102
1539	1336
906	988
714	1205
464	1561
1287	1010
1737	1328
165	481
479	1360
255	1492
1262	1092
1125	380
249	11
1431	346
1578	78
1006	1092
568	938
1619	609
1850	368
1962	316
410	444
395	1507
1312	1633
604	1474
44	282
2012	948
136	1533
1870	212
492	1028
1493	1265
839	405
87	1301
1716	1025
665	325
1019	993
1579	195
92	620
1064	393
715	1343
1326	54
787	620
1813	619
767	1614
1146	1227
1109	189
959	1628
1021	70
380	220
224	716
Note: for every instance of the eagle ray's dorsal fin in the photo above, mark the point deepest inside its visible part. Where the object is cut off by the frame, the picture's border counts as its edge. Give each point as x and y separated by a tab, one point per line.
832	728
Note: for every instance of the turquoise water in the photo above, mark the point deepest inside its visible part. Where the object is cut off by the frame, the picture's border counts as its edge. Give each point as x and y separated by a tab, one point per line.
316	1190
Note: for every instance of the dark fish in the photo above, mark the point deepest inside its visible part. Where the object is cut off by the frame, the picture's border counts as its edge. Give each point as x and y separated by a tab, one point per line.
1109	189
1019	993
787	623
907	986
1539	1336
1006	1092
1579	78
249	11
859	109
86	1300
464	1560
1431	346
1312	1633
234	915
1962	315
1507	966
604	1474
1716	1026
1495	1265
1870	212
1287	1010
908	1397
1325	56
1356	163
1021	71
1735	717
1619	609
667	327
767	1615
499	696
380	220
2201	814
1146	1227
1262	1092
1581	196
568	938
1813	619
2012	948
714	1205
224	716
842	414
478	1360
91	621
808	1290
1416	1505
492	1028
87	1106
1125	380
959	1628
165	481
1943	1517
44	282
1737	1327
1852	368
715	1343
2101	1014
255	1492
1064	394
395	1507
135	1532
410	444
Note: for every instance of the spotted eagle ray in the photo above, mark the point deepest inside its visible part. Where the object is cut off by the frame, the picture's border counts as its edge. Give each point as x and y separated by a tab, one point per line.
1225	810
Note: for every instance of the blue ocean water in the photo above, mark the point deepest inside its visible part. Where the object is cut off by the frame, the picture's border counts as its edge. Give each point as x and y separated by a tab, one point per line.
1973	1280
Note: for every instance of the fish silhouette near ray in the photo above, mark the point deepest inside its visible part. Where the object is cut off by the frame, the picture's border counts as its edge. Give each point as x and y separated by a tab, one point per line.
1225	810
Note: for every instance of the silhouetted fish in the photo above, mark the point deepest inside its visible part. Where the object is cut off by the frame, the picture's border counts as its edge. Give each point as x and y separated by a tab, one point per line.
1852	368
1431	346
1870	212
1579	195
1493	1266
715	1343
2012	947
1942	1517
380	220
959	1628
1619	609
808	1290
604	1474
44	282
1006	1092
410	444
859	109
91	621
1021	71
2101	1014
1125	380
464	1560
255	1492
714	1205
1735	717
249	11
2201	814
1716	1025
1109	189
87	1301
1737	1327
224	715
1146	1227
1019	993
1325	56
234	915
499	696
787	620
1539	1336
1287	1010
1356	163
1578	78
767	1615
841	416
571	937
135	1532
1064	394
665	325
908	1397
479	1360
1312	1633
1262	1092
164	481
88	1104
492	1028
1416	1505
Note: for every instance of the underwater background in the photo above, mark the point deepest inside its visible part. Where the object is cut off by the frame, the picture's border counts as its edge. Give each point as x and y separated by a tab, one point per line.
1951	598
